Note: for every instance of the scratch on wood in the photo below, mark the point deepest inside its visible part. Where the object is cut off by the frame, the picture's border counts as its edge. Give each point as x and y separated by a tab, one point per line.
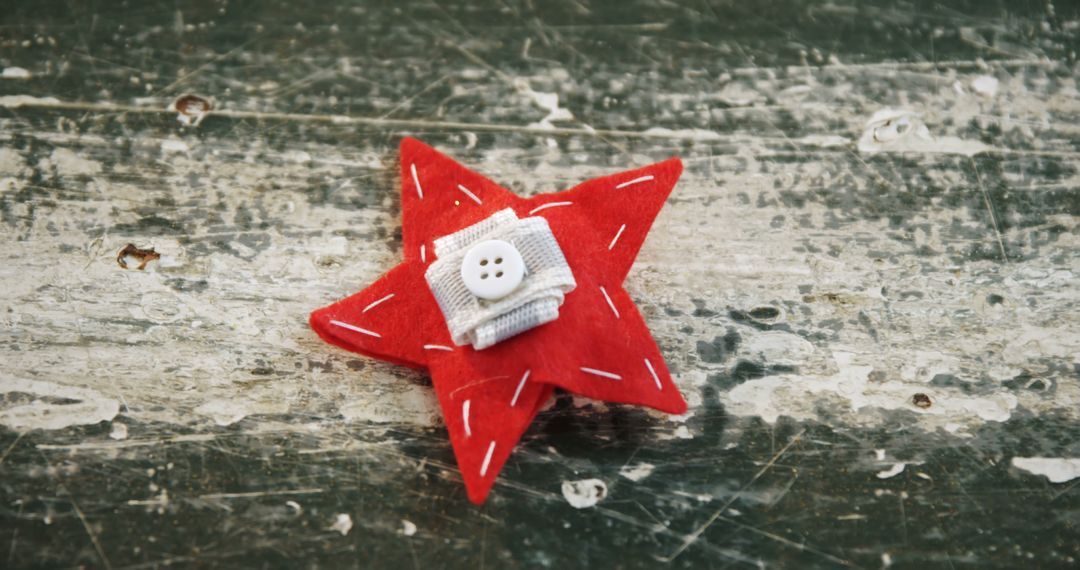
255	494
18	438
694	536
990	209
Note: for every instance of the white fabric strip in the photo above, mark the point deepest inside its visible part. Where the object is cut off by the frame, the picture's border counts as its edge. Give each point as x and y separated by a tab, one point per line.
536	300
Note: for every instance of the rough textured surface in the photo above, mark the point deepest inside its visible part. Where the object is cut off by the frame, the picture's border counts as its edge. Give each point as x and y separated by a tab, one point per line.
871	261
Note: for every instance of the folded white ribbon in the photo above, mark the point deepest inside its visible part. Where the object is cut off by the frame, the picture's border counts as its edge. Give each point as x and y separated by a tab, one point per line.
535	301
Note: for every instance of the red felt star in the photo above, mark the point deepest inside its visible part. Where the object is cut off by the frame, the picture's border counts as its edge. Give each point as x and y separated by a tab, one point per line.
599	347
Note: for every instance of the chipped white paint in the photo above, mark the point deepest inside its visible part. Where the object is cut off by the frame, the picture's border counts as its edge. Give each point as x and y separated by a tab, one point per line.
852	391
15	73
11	161
823	141
584	493
738	94
546	101
68	163
688	134
74	405
174	145
225	412
985	85
297	156
1055	469
119	431
776	347
682	432
16	101
399	403
902	130
408	528
637	472
342	524
896	469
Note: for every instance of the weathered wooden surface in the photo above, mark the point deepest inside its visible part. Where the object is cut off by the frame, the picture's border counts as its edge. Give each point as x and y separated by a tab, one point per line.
805	281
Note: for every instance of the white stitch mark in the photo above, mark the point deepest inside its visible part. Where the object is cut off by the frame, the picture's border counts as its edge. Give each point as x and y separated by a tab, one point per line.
618	234
513	402
416	180
468	193
356	328
654	376
487	459
376	303
611	375
610	303
423	254
548	205
465	417
438	347
634	181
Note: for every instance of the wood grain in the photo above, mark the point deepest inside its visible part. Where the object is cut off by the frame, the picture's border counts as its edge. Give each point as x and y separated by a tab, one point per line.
808	278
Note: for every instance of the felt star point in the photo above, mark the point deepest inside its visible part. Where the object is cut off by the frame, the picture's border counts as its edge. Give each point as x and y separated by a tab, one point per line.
598	347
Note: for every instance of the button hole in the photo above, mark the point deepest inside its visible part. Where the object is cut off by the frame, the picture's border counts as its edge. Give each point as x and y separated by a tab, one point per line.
485	261
483	275
498	274
498	260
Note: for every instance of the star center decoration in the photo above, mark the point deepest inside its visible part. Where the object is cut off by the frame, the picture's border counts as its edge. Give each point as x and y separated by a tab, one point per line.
598	346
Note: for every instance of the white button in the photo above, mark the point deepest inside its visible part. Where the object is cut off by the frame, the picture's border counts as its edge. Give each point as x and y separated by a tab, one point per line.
492	269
